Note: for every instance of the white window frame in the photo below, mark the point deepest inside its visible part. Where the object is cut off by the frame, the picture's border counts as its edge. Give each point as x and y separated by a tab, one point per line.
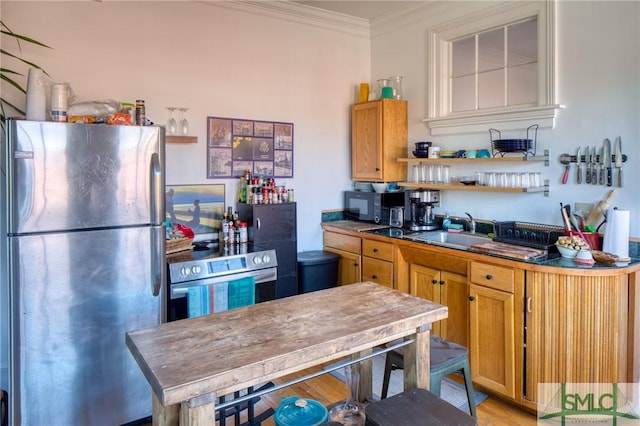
442	121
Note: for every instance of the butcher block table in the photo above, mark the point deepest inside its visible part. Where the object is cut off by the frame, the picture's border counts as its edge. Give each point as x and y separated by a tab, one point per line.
189	363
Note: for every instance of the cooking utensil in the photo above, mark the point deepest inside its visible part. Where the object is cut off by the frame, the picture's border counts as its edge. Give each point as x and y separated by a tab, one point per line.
594	166
587	160
566	160
579	162
618	150
607	160
565	217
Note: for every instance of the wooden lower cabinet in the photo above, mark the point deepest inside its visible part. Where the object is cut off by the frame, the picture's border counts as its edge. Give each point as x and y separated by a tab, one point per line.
577	331
495	328
349	248
446	288
377	262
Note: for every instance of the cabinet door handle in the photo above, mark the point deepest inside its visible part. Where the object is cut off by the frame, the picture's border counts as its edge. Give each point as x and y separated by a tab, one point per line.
529	304
258	224
489	277
375	250
356	264
472	298
434	282
375	277
441	282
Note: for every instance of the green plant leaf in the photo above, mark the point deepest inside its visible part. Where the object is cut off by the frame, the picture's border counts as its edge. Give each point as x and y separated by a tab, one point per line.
24	38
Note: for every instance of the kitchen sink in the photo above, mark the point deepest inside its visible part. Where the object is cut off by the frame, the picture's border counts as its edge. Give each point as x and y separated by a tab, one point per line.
449	239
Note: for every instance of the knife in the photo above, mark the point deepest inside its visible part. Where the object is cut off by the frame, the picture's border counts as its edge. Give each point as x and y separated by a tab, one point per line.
607	160
618	149
601	164
594	166
579	161
587	160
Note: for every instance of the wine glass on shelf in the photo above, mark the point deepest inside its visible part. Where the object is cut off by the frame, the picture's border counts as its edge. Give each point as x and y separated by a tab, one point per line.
184	124
172	125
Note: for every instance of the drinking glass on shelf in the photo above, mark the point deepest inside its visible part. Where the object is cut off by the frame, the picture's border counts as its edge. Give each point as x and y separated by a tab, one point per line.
184	124
172	126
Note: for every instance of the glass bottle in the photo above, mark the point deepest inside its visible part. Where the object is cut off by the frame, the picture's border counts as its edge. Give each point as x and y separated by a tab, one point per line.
349	412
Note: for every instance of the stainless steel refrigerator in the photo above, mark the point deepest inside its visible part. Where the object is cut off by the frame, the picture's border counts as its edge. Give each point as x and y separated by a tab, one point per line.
83	262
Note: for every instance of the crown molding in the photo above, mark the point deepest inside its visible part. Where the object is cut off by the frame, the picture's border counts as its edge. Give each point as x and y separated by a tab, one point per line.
300	13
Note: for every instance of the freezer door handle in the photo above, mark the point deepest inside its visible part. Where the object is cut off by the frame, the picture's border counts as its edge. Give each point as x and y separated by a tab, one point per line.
158	259
157	191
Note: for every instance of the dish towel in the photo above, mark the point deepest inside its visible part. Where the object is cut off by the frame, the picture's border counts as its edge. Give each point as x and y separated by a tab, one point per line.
242	292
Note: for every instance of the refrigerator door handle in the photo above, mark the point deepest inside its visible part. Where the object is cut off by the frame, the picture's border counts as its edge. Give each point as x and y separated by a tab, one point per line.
158	259
157	191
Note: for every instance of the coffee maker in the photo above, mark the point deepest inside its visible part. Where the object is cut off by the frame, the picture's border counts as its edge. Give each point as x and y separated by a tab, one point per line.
420	204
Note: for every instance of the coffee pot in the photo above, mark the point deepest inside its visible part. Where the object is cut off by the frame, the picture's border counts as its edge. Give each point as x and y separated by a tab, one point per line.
421	204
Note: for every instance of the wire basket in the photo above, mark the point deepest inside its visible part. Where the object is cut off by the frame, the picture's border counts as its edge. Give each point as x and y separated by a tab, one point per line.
178	244
525	234
526	147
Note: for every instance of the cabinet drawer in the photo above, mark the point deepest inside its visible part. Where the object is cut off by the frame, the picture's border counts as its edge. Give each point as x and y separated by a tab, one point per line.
378	271
343	242
492	276
382	251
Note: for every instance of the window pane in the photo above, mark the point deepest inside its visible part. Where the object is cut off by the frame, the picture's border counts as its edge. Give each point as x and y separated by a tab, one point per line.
463	56
463	94
491	89
522	84
522	41
491	50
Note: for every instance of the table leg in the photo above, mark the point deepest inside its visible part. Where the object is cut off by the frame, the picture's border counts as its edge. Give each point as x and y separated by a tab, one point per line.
417	361
364	369
164	416
201	415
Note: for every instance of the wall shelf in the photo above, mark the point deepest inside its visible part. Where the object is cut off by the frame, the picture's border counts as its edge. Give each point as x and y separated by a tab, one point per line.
521	158
475	188
180	139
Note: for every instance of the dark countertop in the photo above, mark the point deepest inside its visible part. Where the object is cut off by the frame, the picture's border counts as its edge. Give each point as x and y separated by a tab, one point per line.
553	259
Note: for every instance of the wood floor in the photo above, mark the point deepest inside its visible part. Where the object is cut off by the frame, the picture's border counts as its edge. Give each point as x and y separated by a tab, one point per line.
328	390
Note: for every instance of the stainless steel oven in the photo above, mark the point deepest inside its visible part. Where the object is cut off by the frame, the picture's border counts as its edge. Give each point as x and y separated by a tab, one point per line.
199	283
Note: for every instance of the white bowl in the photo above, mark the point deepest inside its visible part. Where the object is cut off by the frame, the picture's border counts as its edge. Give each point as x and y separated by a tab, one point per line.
380	187
566	252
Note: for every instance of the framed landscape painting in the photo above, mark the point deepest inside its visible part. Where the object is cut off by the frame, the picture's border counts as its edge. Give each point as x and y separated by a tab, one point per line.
200	207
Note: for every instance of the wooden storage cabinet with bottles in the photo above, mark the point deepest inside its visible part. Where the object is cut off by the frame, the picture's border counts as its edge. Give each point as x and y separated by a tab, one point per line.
379	134
349	248
442	279
377	262
580	329
496	327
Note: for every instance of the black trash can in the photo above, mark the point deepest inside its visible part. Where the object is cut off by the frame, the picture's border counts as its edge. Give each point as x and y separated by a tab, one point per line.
317	270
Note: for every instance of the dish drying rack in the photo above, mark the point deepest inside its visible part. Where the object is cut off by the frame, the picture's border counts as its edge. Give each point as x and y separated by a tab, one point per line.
500	147
525	234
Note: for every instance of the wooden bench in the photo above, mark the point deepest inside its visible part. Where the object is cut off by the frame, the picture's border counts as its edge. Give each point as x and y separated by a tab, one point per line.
415	407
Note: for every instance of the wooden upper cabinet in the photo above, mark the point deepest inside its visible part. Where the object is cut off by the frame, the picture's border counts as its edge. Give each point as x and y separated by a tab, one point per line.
378	138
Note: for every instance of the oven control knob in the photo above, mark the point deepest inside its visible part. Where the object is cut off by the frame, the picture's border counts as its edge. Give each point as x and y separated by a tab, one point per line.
185	271
196	269
257	260
266	258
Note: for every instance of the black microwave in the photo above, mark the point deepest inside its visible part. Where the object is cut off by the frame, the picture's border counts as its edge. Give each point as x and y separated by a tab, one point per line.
371	206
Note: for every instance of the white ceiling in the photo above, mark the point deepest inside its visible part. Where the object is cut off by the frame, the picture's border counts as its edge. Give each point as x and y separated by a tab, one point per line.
360	8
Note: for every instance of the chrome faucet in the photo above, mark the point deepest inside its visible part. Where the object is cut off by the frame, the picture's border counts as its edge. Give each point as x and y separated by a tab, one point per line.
471	223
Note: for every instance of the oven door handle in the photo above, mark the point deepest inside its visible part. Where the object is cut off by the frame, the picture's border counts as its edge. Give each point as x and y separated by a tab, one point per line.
264	275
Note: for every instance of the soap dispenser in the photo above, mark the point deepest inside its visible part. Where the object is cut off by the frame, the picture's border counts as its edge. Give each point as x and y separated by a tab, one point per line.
446	222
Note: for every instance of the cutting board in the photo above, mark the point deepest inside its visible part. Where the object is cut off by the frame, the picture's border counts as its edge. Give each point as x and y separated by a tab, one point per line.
509	250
